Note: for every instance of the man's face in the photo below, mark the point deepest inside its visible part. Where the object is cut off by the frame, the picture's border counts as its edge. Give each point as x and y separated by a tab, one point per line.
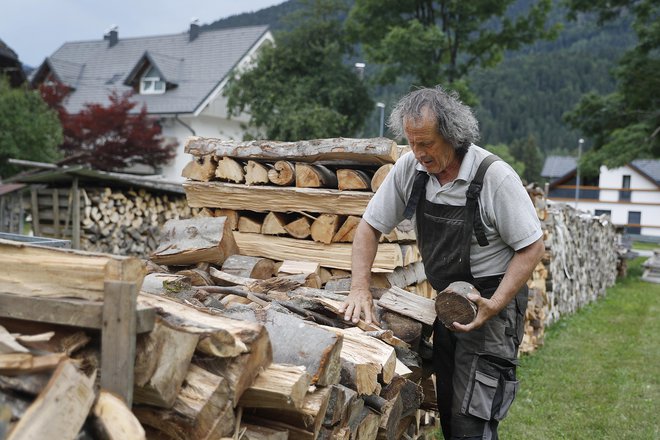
428	146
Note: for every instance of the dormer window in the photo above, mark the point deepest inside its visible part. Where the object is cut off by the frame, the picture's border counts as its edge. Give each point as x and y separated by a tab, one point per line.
152	83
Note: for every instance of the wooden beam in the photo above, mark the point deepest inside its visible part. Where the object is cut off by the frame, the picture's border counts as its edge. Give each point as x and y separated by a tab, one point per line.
375	151
278	199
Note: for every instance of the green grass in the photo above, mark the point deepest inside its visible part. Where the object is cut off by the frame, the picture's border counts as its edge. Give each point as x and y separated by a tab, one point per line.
597	377
644	246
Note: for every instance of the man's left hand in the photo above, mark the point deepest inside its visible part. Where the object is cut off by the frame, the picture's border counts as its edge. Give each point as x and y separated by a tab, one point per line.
486	309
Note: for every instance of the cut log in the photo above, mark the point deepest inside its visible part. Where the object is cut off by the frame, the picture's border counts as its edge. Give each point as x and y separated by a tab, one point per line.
230	170
114	420
291	267
453	305
379	176
283	173
297	342
350	179
202	409
299	228
336	150
60	409
161	362
249	224
12	364
8	343
278	386
249	267
271	198
32	270
201	168
347	230
196	240
254	432
196	277
403	327
274	224
314	176
256	173
231	215
325	227
409	304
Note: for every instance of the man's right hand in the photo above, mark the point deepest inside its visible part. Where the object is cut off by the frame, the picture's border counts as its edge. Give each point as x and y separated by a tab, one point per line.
357	302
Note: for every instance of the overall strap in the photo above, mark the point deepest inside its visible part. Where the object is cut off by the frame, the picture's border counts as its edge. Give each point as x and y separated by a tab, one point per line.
472	196
418	191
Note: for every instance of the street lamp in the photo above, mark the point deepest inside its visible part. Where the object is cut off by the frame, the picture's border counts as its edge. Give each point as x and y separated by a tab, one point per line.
359	67
382	117
577	171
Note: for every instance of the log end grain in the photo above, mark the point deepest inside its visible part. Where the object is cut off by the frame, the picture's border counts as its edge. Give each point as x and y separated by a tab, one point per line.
452	304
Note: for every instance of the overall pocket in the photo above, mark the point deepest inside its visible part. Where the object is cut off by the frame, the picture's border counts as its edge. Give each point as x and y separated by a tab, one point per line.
491	389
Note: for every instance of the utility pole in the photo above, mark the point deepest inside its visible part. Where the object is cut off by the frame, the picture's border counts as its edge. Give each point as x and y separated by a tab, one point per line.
382	117
577	173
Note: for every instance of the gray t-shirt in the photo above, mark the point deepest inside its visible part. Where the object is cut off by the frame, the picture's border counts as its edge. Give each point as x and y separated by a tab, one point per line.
509	218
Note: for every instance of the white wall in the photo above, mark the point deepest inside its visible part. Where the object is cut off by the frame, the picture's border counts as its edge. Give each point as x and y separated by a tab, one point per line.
614	179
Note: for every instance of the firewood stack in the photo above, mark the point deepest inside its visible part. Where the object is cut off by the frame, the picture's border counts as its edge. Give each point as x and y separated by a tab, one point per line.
303	201
127	222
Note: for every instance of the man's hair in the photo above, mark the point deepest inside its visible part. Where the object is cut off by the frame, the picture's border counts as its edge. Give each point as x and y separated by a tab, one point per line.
454	120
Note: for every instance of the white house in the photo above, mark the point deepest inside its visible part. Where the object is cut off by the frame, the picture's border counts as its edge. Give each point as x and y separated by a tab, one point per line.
629	194
178	77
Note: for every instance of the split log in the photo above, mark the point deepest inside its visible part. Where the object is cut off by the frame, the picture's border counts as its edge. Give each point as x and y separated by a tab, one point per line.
278	386
62	273
231	215
249	267
256	173
379	176
274	224
283	173
409	304
366	425
350	179
291	267
271	198
336	150
299	228
162	357
249	224
314	176
114	420
202	409
325	227
12	364
60	409
8	343
297	342
347	230
230	169
403	327
453	305
254	432
196	277
201	168
195	240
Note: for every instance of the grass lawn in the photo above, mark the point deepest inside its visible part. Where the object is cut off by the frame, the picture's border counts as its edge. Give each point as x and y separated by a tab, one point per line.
598	375
644	246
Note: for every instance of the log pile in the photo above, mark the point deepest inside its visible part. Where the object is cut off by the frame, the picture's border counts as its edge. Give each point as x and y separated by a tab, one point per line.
303	201
652	268
127	222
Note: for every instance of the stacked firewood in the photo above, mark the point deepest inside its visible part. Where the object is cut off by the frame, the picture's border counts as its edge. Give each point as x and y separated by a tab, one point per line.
303	201
652	268
127	222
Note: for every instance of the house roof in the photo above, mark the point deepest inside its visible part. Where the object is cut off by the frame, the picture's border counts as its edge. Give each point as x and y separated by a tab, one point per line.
649	167
93	69
558	166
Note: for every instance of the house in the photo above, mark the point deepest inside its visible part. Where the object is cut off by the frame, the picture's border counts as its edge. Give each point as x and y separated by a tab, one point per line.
10	66
179	77
630	195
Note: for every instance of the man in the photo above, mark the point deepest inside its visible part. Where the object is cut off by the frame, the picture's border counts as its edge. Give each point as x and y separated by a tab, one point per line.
475	223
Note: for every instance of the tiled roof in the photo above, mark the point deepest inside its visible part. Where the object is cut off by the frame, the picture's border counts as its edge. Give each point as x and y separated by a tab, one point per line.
197	67
558	166
650	167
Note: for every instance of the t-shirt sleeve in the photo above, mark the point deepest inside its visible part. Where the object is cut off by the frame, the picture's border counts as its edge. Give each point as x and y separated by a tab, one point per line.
386	207
515	217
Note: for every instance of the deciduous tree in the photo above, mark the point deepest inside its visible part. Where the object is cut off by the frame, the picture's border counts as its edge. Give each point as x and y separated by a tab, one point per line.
29	130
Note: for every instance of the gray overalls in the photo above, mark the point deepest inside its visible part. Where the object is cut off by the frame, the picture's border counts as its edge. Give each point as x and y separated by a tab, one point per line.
475	371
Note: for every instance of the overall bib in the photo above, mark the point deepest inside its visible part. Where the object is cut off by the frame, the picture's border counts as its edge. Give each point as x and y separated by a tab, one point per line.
475	371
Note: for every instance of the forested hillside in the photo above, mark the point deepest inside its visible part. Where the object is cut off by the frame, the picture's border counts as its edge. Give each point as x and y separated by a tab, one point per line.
528	92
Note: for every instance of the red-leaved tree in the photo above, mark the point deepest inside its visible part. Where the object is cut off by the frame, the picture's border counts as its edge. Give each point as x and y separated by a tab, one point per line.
108	138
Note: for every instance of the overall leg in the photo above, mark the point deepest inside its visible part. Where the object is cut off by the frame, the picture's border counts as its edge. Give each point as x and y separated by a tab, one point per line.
444	342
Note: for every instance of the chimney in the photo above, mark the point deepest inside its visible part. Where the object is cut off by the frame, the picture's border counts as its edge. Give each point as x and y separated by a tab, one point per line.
112	35
193	33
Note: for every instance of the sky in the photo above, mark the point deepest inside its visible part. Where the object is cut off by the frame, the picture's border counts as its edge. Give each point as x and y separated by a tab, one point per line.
34	29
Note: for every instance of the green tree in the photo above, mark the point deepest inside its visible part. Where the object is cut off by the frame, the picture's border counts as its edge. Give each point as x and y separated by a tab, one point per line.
29	130
438	42
527	151
503	152
300	88
623	125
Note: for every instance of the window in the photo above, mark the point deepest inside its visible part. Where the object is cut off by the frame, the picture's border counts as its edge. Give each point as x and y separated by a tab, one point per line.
624	194
634	222
600	212
152	83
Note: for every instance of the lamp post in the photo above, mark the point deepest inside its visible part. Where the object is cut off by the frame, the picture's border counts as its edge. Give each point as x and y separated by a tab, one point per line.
382	117
577	173
359	67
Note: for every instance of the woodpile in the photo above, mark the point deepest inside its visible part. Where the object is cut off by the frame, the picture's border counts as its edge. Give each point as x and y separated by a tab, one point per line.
127	222
652	268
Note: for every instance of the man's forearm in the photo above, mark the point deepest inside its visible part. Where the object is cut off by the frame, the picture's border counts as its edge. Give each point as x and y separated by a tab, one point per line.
365	246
